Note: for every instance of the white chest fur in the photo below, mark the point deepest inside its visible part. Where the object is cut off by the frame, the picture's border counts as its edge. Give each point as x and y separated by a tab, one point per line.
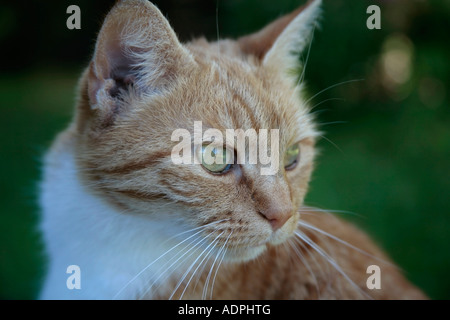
109	247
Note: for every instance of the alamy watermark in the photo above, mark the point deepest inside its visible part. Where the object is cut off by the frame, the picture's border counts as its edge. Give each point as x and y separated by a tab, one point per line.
374	20
374	280
74	20
74	280
235	139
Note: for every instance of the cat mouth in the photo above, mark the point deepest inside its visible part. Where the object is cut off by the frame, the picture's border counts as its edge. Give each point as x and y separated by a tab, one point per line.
251	245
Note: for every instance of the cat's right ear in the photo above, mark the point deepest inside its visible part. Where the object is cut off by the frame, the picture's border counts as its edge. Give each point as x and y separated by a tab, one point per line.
136	48
278	45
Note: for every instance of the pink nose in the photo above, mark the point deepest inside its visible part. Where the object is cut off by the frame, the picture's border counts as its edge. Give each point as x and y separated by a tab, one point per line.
276	217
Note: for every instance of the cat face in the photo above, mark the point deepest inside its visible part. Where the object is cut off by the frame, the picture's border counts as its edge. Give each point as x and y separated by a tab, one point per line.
143	84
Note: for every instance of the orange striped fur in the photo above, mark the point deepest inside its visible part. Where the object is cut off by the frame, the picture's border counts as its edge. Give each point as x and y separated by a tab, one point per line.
140	86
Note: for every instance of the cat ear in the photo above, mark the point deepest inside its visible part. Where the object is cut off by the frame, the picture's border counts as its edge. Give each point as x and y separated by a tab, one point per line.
135	47
279	43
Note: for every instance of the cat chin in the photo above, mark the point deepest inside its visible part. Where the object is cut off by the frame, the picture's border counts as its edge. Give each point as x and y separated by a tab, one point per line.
287	231
244	254
277	239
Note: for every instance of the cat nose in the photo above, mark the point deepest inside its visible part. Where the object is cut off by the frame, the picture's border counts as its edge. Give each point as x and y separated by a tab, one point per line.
277	217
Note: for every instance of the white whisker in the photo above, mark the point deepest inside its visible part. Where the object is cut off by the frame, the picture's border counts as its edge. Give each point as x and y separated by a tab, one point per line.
202	271
188	270
300	81
332	86
332	122
213	244
327	212
219	264
157	259
201	227
168	251
334	144
173	263
311	227
302	76
306	264
217	27
326	100
313	257
205	287
306	239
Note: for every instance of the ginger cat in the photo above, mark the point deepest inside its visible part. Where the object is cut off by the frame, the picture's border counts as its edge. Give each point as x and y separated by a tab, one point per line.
140	226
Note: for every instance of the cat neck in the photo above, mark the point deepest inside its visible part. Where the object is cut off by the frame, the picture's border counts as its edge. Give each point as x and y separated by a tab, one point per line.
110	247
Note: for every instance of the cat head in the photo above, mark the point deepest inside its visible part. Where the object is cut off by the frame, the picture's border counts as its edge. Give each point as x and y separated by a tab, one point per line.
142	85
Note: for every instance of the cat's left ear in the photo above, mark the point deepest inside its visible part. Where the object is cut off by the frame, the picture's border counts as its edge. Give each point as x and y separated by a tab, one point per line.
278	44
135	47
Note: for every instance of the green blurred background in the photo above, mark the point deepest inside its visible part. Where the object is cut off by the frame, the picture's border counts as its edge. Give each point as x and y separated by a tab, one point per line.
386	148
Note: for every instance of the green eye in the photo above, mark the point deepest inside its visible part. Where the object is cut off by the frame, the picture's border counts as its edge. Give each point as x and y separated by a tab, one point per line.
216	159
291	156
